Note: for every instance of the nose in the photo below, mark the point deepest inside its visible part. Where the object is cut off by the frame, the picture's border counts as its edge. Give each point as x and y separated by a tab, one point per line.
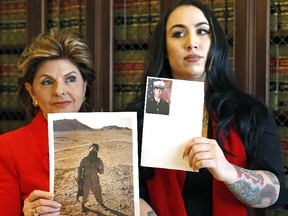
60	89
192	42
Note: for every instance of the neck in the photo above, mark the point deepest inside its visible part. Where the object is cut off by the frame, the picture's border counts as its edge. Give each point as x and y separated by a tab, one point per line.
157	98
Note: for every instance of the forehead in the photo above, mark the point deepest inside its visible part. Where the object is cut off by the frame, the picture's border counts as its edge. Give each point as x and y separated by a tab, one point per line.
52	67
187	15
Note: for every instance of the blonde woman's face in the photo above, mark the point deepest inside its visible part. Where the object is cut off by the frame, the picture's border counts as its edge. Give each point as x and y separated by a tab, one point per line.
58	87
188	42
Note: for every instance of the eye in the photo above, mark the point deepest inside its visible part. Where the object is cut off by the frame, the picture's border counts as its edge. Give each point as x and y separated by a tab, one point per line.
47	82
203	31
71	79
178	34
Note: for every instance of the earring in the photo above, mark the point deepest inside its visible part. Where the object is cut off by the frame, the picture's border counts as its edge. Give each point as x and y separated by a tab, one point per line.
84	98
35	102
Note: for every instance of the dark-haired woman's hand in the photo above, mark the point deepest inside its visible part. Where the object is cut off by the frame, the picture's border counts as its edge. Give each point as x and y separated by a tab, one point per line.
261	187
206	153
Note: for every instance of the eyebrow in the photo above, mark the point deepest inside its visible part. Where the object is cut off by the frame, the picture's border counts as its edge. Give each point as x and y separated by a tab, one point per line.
183	26
72	72
49	76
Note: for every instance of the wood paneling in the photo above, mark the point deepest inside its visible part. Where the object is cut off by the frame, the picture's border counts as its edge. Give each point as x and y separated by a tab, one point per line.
251	46
36	18
99	39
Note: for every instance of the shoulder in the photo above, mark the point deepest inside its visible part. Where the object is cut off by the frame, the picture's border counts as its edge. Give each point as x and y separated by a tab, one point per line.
84	161
252	101
36	128
99	160
10	145
270	126
164	102
24	141
14	136
150	100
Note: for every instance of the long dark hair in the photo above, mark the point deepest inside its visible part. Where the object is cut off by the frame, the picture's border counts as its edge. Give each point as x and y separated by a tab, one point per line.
227	105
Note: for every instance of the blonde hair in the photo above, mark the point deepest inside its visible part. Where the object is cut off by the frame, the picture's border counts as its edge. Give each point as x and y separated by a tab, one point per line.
50	46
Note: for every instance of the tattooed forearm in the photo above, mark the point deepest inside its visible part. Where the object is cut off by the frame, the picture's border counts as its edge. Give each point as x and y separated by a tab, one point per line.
245	193
269	191
252	189
248	174
253	195
272	177
151	213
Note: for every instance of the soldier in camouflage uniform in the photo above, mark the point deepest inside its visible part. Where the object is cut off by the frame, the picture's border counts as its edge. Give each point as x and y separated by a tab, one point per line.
88	175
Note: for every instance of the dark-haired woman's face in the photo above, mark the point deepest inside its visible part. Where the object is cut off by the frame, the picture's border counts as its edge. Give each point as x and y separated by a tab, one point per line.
188	42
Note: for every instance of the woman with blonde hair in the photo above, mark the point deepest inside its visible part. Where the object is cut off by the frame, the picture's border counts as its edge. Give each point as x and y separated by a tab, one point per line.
55	75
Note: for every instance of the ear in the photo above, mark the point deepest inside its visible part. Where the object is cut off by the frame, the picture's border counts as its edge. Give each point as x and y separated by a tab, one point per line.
28	87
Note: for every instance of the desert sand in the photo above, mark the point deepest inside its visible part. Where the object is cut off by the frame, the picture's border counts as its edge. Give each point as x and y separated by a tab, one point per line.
117	180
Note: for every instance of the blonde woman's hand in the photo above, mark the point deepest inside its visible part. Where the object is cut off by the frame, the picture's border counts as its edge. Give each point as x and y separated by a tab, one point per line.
41	203
206	153
145	209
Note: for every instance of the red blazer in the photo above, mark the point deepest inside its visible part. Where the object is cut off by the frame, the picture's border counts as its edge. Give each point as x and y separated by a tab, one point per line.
24	165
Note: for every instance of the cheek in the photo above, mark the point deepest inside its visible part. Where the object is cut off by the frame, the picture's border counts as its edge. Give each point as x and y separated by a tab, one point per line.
44	101
172	54
175	48
76	89
207	47
171	49
79	94
174	59
43	95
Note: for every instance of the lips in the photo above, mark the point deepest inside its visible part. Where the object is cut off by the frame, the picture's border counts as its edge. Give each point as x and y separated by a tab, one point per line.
192	58
61	103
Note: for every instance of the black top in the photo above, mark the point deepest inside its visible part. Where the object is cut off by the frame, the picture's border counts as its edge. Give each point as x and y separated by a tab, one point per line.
197	193
197	190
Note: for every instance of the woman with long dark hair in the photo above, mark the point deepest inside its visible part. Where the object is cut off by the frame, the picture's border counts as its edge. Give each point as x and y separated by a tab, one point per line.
240	160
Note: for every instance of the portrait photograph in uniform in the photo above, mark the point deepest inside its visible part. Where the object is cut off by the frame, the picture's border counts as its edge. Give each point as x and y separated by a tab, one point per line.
158	95
93	162
165	135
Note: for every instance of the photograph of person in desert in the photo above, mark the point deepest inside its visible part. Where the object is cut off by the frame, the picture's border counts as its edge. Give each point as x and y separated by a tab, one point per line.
93	168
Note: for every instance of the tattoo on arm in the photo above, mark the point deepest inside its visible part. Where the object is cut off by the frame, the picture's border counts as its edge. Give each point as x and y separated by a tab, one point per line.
272	178
254	191
151	213
250	195
248	174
